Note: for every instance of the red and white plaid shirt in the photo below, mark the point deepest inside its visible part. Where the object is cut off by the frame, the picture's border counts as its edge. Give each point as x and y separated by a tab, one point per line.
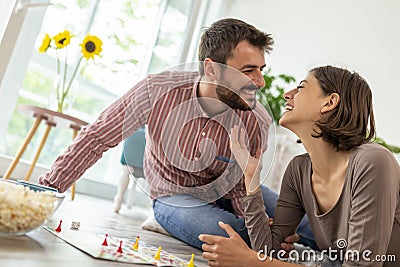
187	152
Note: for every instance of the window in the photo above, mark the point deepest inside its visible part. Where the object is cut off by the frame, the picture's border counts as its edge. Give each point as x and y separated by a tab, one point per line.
138	37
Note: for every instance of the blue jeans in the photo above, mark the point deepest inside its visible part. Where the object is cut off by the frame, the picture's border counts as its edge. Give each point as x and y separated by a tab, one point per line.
186	217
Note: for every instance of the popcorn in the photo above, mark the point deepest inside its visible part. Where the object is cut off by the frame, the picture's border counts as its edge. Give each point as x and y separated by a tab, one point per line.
22	209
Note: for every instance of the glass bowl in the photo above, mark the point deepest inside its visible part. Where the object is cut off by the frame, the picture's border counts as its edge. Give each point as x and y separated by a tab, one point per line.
25	206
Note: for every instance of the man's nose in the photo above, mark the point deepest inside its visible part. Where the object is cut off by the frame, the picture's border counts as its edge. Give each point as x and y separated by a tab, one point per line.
257	78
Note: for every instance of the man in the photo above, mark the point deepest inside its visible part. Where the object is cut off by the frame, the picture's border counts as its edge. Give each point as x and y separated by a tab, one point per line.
194	181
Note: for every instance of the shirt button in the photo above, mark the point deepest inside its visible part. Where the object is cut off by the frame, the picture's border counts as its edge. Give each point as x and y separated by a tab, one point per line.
203	133
196	158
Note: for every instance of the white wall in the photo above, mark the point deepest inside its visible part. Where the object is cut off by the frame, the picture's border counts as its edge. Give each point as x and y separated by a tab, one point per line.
362	35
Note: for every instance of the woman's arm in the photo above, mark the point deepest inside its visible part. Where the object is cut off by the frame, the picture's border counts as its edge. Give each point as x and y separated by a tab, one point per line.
288	214
374	198
289	210
233	251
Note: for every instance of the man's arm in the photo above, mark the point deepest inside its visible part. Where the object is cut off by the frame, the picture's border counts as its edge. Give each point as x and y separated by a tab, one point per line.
114	124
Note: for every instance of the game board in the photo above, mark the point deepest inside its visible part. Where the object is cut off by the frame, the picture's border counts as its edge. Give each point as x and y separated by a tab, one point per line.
92	244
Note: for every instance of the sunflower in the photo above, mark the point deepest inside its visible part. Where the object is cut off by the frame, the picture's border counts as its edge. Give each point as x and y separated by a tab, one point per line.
62	39
91	46
45	44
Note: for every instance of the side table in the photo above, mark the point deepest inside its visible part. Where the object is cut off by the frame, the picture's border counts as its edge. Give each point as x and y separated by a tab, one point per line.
52	119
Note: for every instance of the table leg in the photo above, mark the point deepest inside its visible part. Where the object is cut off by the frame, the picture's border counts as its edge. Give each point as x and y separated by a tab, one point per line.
21	151
74	134
42	142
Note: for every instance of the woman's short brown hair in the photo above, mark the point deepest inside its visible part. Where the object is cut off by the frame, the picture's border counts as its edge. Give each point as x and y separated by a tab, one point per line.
218	41
346	126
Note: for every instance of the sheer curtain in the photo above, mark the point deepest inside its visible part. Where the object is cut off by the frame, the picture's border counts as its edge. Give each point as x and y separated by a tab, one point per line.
138	37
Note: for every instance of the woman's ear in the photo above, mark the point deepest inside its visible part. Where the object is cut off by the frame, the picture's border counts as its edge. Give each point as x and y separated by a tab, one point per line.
210	70
332	101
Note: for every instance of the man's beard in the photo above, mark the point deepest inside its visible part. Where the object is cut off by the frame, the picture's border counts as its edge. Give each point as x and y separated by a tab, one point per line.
233	100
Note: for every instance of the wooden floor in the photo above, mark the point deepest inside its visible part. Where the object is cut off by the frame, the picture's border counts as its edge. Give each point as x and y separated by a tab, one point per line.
41	248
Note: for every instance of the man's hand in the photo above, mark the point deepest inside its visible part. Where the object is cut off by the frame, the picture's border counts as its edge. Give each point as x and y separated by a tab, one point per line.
227	252
288	245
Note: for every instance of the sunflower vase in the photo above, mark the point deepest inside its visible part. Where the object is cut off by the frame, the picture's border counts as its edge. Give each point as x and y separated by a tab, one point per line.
62	100
65	84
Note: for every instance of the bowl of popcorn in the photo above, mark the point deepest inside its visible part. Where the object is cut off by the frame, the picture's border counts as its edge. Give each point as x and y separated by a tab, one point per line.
25	206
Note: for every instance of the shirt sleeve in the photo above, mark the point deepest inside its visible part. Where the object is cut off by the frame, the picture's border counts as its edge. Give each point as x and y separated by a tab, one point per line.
117	122
288	214
374	198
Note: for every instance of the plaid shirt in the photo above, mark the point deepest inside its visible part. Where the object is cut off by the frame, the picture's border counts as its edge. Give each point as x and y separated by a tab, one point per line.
187	152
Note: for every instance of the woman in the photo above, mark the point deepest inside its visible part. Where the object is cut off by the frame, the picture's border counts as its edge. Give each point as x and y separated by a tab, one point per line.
348	186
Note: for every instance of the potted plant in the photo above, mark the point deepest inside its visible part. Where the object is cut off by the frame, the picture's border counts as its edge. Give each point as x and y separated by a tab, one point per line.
284	142
271	97
392	148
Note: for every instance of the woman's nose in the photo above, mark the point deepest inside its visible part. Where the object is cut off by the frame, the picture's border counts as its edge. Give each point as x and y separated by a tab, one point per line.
290	94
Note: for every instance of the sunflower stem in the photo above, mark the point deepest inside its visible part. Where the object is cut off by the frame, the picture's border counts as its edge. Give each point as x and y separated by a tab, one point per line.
65	75
58	95
65	92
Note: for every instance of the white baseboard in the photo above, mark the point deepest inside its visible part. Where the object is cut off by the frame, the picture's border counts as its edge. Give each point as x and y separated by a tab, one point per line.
83	185
21	169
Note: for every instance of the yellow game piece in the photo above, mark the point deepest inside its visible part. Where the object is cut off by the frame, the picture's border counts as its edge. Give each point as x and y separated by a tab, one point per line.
136	245
191	262
157	256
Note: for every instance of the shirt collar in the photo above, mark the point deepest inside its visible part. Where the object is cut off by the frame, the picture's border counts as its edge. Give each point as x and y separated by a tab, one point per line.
198	109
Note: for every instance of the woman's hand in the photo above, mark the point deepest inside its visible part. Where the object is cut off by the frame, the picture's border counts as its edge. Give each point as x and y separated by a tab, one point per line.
222	251
251	166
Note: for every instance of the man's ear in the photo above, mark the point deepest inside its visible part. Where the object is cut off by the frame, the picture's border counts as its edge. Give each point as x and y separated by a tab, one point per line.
332	101
210	69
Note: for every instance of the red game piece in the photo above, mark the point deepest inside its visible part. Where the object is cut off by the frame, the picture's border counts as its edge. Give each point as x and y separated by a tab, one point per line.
58	229
119	250
105	241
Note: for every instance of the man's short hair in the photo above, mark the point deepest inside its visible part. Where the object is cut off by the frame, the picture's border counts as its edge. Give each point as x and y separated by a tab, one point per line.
219	41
